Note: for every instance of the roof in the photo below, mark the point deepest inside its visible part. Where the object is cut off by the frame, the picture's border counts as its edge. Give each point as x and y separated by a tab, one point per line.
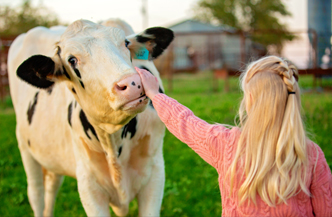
191	25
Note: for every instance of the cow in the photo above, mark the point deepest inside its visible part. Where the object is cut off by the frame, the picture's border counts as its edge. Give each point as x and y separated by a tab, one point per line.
81	111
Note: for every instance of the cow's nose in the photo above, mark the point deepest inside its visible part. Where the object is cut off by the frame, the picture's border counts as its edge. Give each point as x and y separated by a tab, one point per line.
130	87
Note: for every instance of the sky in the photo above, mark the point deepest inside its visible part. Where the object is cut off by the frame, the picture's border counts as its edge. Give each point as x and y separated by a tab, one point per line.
160	12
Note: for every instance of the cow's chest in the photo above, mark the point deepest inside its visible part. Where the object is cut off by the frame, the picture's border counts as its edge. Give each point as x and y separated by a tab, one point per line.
128	166
130	170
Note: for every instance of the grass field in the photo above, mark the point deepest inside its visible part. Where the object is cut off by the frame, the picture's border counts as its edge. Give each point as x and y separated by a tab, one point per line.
191	184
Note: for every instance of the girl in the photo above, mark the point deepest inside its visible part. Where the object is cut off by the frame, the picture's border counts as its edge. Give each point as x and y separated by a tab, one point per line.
267	166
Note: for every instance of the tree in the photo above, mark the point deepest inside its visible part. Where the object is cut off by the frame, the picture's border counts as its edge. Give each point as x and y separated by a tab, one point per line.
14	21
260	18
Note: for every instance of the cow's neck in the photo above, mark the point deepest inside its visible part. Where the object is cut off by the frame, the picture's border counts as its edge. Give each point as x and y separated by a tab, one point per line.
110	143
106	152
109	136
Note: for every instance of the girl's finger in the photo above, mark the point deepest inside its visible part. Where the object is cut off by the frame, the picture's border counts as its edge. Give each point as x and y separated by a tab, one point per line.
140	71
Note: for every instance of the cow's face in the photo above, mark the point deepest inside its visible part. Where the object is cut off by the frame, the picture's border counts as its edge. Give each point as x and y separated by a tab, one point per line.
95	63
101	75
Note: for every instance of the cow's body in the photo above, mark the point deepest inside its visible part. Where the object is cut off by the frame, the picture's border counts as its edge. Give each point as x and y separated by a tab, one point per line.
115	155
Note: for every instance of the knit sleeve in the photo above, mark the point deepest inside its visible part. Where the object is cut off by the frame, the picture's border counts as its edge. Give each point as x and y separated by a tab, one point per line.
199	135
321	187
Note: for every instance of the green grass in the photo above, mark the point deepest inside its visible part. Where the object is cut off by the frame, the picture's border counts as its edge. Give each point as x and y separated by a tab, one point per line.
191	184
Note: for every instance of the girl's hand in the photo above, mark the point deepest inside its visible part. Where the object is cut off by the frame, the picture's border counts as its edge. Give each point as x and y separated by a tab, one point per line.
149	82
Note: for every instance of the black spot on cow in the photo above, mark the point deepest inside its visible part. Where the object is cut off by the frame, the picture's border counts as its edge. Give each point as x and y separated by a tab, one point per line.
142	39
129	128
50	89
133	83
65	72
70	111
120	150
160	90
139	86
32	107
87	126
29	143
77	72
143	67
58	52
82	84
74	91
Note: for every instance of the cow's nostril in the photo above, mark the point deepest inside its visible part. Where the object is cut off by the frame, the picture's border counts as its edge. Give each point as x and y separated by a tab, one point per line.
121	87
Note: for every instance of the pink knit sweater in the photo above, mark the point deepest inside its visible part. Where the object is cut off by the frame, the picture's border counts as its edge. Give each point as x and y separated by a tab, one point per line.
217	145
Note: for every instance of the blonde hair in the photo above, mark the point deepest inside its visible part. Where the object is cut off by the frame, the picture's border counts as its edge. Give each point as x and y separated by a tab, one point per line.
272	147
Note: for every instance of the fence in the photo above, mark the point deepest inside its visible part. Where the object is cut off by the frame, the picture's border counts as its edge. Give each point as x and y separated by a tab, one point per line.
224	53
227	53
5	43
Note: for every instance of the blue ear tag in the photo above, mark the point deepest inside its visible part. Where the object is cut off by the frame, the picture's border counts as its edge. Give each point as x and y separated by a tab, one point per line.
142	54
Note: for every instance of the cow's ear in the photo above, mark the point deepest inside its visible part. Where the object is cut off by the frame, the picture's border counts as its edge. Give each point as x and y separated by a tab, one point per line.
39	71
155	40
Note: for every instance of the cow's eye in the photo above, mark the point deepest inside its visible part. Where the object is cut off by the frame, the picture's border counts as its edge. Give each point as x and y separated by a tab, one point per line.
72	61
127	42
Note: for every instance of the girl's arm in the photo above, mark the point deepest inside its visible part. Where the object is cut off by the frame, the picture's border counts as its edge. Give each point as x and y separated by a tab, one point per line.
205	139
321	187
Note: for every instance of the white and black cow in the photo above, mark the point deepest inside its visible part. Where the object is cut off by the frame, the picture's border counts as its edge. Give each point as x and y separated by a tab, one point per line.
81	111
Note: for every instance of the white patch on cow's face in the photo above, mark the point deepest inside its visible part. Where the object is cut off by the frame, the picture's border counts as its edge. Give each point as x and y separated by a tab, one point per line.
98	64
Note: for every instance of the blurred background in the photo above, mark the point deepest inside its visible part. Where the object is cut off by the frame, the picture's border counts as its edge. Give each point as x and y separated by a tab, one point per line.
211	35
215	40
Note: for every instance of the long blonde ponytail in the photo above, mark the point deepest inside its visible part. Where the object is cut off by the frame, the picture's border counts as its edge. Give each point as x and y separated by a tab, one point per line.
272	147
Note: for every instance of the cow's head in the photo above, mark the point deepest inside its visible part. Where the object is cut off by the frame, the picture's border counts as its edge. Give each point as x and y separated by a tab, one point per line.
95	63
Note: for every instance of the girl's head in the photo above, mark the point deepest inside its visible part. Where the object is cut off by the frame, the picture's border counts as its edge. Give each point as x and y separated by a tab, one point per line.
272	147
268	78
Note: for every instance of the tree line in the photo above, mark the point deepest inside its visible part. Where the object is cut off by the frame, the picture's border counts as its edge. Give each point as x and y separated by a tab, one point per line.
259	18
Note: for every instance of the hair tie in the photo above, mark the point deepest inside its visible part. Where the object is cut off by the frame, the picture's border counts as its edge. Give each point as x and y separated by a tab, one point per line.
291	93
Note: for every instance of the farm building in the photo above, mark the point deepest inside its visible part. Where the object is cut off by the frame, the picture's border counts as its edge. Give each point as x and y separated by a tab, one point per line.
201	46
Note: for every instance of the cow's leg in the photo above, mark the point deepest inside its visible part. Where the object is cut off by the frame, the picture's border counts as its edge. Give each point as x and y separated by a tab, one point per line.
93	196
34	174
151	195
52	184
